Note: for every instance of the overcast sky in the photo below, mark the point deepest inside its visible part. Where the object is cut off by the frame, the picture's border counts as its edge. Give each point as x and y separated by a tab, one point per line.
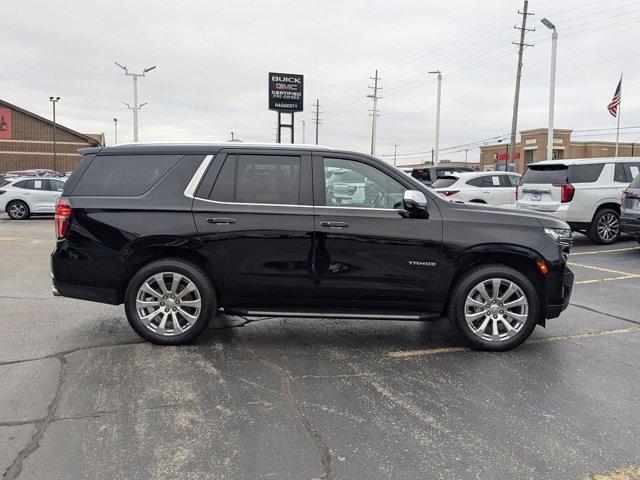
213	57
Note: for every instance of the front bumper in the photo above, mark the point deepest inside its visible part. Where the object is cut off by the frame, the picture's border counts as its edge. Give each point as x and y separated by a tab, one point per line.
561	285
630	224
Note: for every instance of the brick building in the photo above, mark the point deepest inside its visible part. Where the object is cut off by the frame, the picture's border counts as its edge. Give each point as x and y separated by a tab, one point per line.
26	141
533	148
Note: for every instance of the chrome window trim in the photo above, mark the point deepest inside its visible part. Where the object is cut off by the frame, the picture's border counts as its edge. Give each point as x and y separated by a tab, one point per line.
195	180
204	165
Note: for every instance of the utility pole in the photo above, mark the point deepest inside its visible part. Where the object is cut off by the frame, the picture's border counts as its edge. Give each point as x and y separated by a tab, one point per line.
55	100
304	131
552	85
437	145
374	114
115	126
514	121
395	152
135	107
317	120
466	152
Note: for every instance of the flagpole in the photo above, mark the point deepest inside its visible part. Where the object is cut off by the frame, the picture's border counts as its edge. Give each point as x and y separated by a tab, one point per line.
619	112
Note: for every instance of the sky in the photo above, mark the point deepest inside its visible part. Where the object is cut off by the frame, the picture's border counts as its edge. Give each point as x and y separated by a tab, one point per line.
213	59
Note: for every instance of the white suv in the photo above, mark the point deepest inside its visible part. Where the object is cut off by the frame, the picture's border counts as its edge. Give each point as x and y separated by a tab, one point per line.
21	197
583	192
492	188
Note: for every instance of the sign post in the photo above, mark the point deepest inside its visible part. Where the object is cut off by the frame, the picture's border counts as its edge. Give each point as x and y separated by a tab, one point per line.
286	95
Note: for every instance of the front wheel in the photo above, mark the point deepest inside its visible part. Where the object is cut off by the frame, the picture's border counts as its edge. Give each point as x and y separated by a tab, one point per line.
170	302
494	307
605	227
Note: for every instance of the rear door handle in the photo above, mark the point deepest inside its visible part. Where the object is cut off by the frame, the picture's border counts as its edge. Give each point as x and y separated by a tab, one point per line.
329	224
221	220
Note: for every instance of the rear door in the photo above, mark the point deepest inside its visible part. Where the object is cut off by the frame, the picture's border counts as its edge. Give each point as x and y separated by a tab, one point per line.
371	254
254	212
540	187
36	192
55	190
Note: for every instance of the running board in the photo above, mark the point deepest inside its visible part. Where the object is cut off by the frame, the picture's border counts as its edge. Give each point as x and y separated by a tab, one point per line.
346	314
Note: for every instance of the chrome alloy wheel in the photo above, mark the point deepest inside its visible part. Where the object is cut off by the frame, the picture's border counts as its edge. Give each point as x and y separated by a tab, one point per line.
608	227
496	309
17	210
168	303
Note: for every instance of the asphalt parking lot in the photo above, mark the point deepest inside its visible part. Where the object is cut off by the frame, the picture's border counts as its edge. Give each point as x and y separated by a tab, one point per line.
81	396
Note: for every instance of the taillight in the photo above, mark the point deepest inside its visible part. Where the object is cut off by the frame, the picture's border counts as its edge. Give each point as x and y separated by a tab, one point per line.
517	192
448	193
63	217
352	189
566	192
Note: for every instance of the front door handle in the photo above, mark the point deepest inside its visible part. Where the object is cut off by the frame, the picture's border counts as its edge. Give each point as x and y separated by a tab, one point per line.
329	224
221	220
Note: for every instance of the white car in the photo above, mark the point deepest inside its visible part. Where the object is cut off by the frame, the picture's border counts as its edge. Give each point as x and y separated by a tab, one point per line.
492	188
585	193
21	197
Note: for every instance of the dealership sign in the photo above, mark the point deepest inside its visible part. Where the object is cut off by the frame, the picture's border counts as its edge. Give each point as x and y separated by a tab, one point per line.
286	92
501	157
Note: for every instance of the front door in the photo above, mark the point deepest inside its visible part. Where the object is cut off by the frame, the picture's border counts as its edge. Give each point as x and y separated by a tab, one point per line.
369	252
256	218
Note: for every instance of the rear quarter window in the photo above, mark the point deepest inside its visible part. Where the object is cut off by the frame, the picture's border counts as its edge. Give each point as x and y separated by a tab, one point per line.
124	175
444	182
585	173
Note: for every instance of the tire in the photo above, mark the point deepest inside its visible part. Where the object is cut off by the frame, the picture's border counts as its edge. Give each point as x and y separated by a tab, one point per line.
521	327
18	210
605	227
191	320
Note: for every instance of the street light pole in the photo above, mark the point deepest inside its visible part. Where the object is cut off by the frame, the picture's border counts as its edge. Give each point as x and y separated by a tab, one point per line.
115	125
395	152
135	107
54	100
437	144
304	131
552	85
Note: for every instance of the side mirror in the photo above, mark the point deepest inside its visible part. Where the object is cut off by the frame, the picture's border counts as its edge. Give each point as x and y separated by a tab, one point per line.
415	201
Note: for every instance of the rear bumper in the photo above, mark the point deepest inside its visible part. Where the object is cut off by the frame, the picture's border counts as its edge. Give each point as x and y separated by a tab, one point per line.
560	287
82	292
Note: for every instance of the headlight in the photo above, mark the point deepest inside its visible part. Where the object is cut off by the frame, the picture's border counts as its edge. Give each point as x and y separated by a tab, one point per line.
562	236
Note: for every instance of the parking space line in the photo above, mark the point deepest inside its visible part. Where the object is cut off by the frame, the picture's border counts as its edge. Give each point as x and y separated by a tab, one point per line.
598	280
600	269
613	250
573	336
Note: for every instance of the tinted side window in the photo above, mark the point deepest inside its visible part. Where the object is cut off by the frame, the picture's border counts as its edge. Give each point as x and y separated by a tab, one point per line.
224	188
490	181
632	170
369	187
124	175
268	179
21	184
475	182
619	174
56	185
514	180
585	173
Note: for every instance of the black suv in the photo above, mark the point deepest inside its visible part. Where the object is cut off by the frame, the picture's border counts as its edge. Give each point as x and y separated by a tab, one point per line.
177	232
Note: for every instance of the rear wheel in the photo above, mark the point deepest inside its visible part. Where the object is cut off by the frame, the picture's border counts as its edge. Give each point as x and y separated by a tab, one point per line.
605	227
18	210
170	302
494	307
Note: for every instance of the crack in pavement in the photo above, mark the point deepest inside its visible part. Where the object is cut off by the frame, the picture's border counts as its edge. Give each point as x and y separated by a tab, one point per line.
41	426
287	387
635	322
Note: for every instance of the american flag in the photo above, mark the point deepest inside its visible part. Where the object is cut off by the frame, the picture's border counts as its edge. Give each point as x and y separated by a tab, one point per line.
615	102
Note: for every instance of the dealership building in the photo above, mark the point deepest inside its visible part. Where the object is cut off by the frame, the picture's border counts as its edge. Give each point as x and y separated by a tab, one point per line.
533	148
26	141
